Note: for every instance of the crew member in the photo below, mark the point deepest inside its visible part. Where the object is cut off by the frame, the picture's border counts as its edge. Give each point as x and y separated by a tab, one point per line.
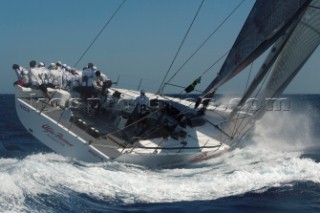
101	83
55	79
142	103
87	80
43	73
22	75
36	81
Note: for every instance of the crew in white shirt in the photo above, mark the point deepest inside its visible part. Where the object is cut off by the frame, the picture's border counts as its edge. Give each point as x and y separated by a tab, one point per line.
44	73
36	81
55	76
100	82
142	103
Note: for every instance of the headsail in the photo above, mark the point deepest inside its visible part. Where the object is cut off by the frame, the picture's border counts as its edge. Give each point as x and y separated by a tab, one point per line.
264	69
266	22
299	47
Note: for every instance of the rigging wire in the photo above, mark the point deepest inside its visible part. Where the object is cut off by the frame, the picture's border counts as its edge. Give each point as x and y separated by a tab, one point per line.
181	44
209	68
179	49
249	76
237	129
206	40
100	32
219	59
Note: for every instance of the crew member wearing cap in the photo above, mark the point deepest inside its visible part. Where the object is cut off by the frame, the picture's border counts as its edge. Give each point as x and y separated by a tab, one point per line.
36	81
43	73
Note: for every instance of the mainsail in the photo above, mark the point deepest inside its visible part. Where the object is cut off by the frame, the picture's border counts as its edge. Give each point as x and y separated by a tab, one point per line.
267	21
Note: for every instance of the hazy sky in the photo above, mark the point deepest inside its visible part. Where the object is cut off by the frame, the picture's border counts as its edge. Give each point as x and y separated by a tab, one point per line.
140	42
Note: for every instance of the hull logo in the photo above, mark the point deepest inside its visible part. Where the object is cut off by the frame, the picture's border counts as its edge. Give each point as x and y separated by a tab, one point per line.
58	137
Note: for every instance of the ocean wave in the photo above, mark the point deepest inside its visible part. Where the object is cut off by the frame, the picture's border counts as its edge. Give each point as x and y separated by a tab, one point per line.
274	157
238	172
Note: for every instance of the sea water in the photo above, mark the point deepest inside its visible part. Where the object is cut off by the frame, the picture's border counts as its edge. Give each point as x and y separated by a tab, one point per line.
275	170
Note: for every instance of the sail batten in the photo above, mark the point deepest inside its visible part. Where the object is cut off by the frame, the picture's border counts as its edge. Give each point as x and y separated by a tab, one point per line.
267	21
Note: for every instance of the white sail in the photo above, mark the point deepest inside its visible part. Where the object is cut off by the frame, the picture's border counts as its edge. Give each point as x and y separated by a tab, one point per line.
263	71
299	47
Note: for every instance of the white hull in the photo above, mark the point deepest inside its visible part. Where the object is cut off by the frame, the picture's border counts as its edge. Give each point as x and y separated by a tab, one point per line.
55	136
63	140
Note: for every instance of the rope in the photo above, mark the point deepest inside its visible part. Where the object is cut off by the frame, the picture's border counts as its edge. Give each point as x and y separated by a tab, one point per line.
183	40
206	40
99	33
153	130
172	148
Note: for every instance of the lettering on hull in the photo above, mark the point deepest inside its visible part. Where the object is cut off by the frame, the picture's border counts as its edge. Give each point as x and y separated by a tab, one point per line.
56	136
23	107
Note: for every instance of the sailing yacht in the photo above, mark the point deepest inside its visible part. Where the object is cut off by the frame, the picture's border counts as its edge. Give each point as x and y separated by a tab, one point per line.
177	131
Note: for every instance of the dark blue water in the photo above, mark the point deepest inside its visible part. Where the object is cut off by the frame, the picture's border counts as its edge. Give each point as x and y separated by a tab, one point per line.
277	171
